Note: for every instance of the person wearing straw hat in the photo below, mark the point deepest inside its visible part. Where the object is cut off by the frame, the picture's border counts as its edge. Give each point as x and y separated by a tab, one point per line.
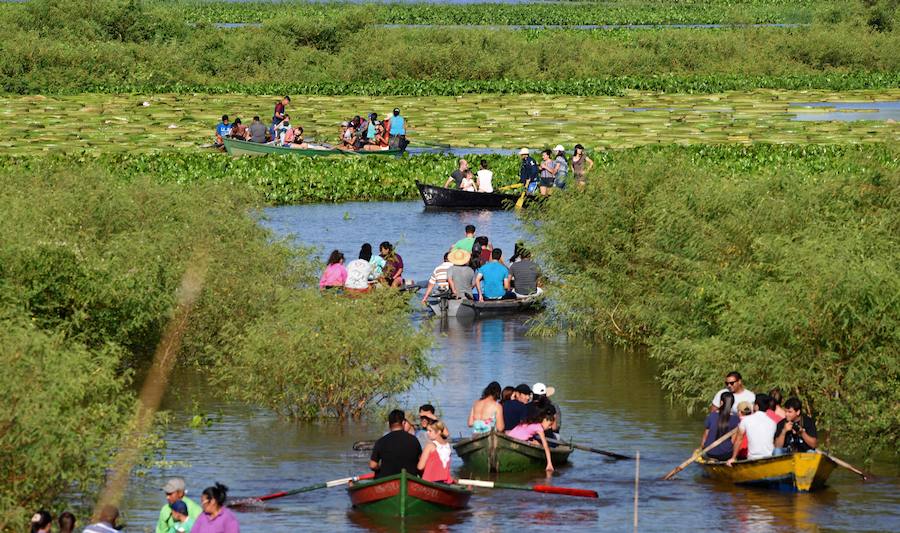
528	172
438	280
461	276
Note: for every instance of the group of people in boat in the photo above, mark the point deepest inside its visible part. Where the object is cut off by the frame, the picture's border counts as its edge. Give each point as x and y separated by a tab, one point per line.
369	134
766	426
364	272
551	173
179	514
522	412
475	269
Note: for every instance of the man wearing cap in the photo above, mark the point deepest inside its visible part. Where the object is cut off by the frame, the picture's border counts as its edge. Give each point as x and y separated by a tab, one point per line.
529	171
438	280
515	409
460	277
175	492
456	177
397	131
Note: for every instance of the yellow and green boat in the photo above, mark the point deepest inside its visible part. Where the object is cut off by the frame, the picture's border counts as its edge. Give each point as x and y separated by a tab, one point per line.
237	147
498	452
405	495
796	472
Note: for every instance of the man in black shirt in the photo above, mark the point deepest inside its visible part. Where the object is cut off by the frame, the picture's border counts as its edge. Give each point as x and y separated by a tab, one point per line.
457	175
796	433
516	408
528	172
396	450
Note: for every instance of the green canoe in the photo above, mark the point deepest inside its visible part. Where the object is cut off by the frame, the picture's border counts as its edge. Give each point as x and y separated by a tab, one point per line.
497	452
407	495
236	147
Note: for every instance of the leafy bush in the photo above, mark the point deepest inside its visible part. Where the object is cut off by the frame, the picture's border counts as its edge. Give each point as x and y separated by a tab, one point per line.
782	263
312	355
64	406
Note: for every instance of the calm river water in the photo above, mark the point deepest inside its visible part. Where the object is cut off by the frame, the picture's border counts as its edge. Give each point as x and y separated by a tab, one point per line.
609	399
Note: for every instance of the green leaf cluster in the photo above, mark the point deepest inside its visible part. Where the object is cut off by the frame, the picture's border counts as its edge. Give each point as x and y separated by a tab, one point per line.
781	263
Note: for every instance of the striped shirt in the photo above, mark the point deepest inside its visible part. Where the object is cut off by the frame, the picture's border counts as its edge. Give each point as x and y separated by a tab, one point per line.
439	276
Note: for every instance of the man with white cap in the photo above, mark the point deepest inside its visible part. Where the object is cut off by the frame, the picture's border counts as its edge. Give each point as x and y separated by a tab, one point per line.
175	491
562	169
529	171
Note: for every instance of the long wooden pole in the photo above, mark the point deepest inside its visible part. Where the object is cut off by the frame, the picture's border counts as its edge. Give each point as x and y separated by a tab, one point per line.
848	466
715	443
637	482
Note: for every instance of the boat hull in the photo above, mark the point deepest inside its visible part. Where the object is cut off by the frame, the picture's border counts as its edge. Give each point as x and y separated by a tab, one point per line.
236	147
497	452
797	472
443	198
407	495
477	309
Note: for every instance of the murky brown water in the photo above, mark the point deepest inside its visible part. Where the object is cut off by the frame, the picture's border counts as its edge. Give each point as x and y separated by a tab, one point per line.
609	399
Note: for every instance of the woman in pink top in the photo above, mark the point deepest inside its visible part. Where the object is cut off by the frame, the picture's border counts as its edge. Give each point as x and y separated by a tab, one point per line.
536	425
335	274
435	459
215	518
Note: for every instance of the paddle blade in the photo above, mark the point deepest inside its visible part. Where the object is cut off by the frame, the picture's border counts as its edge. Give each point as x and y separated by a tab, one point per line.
521	201
584	493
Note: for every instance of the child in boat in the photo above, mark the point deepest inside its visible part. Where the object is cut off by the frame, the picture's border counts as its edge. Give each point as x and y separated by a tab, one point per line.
535	426
468	182
434	463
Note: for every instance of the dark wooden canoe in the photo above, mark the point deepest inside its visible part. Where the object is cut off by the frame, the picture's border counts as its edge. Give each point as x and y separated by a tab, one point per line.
236	147
443	198
407	495
477	309
498	452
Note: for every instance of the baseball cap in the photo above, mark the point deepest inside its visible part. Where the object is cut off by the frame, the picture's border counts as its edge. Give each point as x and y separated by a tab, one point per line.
523	151
541	389
523	388
178	506
173	484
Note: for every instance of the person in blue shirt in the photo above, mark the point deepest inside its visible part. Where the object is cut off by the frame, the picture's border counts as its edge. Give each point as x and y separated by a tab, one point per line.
398	131
222	130
492	279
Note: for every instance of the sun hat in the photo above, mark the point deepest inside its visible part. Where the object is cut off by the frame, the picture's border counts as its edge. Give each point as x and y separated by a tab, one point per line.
345	124
543	390
178	506
523	151
459	257
173	484
559	148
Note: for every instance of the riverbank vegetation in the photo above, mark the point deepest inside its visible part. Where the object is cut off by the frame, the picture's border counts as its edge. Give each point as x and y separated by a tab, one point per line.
117	46
89	266
782	264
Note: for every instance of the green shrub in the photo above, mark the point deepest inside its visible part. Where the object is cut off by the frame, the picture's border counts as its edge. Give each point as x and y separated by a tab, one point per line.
317	355
65	407
781	263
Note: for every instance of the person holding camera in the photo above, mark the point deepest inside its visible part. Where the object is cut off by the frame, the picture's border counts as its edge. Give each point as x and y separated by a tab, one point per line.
797	432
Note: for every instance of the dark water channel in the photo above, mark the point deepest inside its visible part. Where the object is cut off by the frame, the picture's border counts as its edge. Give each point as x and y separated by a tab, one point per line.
608	397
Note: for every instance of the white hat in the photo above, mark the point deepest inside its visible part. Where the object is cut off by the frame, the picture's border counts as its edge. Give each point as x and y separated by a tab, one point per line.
173	484
559	148
541	389
523	151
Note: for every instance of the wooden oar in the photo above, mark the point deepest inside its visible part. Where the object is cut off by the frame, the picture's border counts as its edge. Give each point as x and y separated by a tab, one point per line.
520	203
509	187
614	455
366	445
566	491
848	466
282	494
715	443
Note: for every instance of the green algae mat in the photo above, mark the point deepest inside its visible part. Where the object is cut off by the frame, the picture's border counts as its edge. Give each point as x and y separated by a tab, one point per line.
136	123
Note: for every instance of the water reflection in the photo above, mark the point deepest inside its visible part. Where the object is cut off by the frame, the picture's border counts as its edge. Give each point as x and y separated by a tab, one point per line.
848	111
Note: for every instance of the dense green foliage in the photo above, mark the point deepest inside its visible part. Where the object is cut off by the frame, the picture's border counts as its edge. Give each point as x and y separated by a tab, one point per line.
623	12
139	48
778	262
89	266
371	354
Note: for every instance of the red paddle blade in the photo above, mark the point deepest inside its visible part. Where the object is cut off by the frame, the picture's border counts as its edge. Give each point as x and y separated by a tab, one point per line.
584	493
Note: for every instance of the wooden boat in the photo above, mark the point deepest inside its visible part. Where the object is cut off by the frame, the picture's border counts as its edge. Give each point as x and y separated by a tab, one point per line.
796	472
498	452
237	147
404	495
522	304
443	198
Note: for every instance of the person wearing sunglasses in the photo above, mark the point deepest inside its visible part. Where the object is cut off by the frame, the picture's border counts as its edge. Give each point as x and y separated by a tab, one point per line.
735	385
